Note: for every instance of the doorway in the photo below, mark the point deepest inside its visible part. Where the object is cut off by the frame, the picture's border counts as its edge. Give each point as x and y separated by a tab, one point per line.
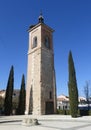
49	108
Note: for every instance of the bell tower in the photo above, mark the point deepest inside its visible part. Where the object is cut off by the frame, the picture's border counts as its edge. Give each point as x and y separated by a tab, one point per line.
41	83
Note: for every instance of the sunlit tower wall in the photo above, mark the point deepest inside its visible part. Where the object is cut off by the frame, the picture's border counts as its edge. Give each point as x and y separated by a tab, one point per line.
41	83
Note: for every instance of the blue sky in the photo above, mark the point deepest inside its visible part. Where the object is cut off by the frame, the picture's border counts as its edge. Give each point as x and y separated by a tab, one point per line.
71	20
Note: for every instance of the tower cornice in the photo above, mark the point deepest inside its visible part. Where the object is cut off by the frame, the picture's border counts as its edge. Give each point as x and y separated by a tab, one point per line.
32	27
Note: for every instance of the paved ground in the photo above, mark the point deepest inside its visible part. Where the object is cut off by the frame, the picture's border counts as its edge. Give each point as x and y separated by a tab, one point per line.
47	122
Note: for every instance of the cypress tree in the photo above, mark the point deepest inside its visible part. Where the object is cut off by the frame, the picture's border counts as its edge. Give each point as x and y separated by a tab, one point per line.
21	104
72	86
9	92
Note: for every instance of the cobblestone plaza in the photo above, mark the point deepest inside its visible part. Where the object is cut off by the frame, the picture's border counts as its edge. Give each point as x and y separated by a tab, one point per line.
47	122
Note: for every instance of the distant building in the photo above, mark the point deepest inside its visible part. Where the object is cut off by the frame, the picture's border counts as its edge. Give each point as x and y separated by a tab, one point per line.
2	93
15	93
82	100
15	100
63	102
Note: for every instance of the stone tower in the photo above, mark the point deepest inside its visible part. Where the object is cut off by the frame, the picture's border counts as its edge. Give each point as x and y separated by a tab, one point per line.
41	84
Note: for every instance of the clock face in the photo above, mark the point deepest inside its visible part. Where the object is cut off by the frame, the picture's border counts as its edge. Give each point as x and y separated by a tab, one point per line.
47	44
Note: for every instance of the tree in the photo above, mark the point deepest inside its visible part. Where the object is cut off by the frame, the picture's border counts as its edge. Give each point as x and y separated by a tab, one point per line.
86	91
21	105
1	103
72	86
9	93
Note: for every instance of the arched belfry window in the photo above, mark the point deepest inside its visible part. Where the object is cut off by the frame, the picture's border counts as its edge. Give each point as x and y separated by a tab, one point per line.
34	42
47	42
50	95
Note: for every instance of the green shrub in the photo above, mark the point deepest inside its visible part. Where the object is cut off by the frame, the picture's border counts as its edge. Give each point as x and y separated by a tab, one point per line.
89	112
63	112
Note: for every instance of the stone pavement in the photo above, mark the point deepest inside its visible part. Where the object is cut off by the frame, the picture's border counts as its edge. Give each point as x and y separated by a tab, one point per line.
47	122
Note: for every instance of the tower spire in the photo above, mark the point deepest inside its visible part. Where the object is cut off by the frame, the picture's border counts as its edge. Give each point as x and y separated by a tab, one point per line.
41	19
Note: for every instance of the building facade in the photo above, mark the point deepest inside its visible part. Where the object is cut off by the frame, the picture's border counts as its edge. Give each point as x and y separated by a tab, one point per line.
63	102
41	84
